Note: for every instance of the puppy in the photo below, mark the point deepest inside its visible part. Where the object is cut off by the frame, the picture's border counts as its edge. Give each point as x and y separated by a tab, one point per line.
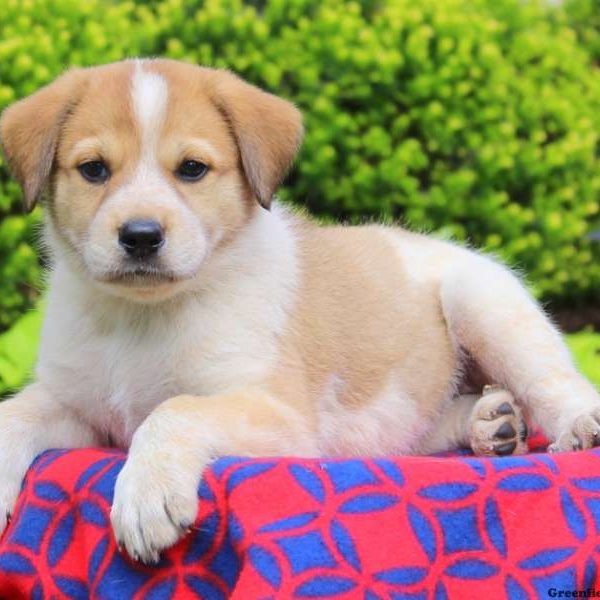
189	316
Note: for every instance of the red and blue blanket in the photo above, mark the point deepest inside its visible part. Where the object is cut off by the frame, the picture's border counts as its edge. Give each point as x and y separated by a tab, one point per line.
397	528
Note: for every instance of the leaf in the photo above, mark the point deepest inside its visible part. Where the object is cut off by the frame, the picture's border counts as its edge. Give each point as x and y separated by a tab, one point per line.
203	588
471	568
345	544
13	562
265	564
547	558
288	523
92	470
92	513
72	588
61	538
494	527
588	484
245	472
524	482
423	530
49	491
401	575
391	469
308	481
324	586
573	515
97	557
448	492
514	590
366	503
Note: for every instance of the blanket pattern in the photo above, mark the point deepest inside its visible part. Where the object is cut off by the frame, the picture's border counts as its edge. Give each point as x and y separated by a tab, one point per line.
415	528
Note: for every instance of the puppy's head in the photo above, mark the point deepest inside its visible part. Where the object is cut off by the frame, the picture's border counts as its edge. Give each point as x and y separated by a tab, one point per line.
150	166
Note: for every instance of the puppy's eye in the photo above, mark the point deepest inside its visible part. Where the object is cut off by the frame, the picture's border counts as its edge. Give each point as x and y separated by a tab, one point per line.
191	170
94	171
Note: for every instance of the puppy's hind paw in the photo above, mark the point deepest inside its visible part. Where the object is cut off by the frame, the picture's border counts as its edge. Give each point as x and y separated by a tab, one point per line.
497	425
583	433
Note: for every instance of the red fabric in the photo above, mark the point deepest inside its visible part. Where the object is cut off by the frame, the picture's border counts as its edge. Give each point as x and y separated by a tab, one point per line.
405	527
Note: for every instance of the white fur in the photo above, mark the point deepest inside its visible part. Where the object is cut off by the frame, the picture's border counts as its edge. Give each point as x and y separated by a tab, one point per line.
209	340
149	94
390	423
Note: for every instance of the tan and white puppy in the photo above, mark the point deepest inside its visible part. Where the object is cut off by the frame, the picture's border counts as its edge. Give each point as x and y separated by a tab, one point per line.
189	317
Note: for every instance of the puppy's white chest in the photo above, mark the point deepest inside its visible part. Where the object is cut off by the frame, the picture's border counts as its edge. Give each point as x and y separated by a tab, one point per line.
115	361
116	373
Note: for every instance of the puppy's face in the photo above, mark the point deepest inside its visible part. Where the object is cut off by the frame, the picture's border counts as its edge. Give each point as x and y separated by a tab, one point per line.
154	166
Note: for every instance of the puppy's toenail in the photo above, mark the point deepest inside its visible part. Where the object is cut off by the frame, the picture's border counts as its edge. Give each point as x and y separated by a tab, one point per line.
505	449
576	443
505	431
505	409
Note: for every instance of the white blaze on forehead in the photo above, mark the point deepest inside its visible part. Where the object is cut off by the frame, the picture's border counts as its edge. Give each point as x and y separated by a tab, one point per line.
149	93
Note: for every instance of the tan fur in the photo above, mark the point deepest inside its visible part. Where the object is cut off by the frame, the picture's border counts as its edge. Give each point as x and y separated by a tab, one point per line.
257	332
359	317
30	131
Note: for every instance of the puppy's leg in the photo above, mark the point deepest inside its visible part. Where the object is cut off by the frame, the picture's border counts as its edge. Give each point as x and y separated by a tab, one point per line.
493	317
452	428
156	494
30	423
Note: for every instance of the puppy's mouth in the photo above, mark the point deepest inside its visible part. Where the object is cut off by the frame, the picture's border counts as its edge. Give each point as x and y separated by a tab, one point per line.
140	275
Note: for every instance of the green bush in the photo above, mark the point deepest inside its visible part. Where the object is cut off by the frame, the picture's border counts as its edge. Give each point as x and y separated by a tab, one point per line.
471	118
584	17
18	351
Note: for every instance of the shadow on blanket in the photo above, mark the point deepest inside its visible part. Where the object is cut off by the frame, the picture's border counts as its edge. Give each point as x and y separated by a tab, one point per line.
405	527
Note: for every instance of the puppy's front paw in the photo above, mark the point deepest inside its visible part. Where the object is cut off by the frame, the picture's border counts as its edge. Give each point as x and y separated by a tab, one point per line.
10	486
154	505
583	432
12	471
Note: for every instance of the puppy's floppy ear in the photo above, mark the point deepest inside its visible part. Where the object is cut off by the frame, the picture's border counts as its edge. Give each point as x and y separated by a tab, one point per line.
268	131
30	129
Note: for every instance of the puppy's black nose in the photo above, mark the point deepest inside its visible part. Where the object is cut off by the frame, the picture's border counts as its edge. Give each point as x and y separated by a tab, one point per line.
141	238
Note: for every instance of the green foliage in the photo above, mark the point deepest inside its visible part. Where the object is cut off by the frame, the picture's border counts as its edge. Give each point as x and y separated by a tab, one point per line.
584	17
585	345
477	119
18	351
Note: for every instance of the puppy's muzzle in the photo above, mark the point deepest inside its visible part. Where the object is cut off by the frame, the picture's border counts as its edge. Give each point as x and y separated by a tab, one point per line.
141	238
